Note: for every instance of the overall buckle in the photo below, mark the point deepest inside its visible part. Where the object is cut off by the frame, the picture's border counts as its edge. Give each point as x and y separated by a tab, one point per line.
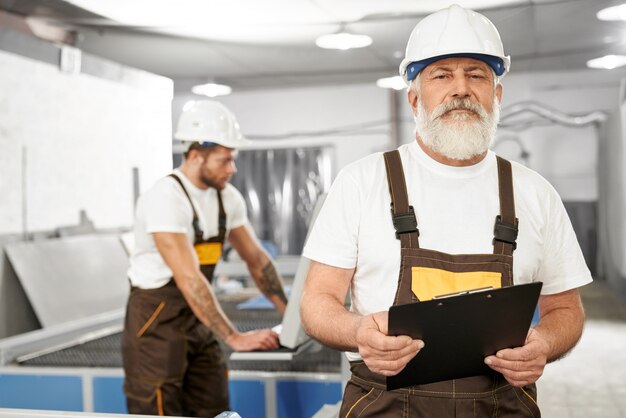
505	232
404	223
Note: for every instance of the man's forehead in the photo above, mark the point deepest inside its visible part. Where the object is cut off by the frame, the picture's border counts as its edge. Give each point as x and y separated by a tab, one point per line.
465	63
226	152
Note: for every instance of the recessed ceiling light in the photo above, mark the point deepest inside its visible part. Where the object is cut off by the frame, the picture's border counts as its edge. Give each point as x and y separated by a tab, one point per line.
343	41
610	39
607	62
211	89
613	13
396	83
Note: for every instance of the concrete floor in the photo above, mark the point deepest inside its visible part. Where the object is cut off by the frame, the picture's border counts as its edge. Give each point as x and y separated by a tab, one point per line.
591	381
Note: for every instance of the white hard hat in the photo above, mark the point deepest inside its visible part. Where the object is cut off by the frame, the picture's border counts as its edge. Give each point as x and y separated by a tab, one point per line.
209	122
453	32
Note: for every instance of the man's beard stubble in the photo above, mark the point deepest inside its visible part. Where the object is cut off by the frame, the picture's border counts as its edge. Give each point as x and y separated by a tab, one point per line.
208	180
460	137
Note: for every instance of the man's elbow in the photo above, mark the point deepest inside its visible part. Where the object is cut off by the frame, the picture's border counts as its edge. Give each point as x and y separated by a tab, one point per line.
305	317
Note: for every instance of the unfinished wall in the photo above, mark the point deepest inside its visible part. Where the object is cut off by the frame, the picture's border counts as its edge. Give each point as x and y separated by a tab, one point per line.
69	142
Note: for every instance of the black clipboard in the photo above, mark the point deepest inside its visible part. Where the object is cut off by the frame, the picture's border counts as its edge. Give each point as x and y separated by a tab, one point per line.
461	330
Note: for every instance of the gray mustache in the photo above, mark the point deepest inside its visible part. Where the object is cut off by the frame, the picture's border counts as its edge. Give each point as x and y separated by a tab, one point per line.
459	104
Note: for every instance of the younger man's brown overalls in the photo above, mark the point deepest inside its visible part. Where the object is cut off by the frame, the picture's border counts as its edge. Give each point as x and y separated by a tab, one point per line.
427	273
173	363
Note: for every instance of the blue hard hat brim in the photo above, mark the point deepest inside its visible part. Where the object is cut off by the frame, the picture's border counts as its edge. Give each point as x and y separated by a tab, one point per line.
414	68
208	144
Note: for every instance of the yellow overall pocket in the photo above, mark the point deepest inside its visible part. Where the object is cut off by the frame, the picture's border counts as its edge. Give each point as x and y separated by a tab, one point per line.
427	282
208	252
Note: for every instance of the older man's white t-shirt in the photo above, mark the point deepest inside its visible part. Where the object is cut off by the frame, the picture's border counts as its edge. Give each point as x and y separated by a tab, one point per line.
455	209
165	208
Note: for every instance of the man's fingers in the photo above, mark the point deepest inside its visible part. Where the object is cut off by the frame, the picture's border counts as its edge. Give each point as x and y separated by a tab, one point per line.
389	363
382	353
390	367
382	342
517	372
507	364
266	339
392	348
519	378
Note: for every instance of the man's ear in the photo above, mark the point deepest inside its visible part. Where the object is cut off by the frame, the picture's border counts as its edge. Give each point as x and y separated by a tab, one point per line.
412	98
193	156
499	93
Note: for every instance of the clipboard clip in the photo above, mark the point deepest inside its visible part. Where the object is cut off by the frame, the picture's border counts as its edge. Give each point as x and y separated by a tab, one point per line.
464	292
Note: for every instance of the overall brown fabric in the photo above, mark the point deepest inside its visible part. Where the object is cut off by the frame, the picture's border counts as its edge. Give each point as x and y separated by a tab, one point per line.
477	396
172	362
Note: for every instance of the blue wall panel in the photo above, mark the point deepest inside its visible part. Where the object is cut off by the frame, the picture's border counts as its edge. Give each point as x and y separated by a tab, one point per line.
61	393
108	395
300	399
247	397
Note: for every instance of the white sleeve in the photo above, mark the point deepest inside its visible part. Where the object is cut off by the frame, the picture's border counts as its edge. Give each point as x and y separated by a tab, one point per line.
164	210
334	238
563	266
235	207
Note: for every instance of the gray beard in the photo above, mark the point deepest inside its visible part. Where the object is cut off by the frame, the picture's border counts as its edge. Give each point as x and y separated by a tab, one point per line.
459	137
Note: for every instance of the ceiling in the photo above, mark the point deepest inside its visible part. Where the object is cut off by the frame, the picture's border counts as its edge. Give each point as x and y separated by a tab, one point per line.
251	44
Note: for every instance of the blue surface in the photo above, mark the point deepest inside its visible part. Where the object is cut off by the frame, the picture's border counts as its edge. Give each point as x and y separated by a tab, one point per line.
270	247
247	397
294	399
108	395
61	393
257	302
299	399
260	302
535	319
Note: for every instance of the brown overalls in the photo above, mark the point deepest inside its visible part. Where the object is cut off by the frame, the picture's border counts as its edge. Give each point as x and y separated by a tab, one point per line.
173	363
427	273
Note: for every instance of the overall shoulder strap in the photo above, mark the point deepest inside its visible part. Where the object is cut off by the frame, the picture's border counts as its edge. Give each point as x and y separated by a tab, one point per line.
402	214
221	216
195	222
506	226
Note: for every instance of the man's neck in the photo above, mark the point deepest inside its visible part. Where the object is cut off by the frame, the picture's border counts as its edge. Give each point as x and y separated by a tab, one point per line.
440	158
192	176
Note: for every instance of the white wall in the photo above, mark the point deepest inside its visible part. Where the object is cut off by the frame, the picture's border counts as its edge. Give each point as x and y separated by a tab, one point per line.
612	204
81	135
566	156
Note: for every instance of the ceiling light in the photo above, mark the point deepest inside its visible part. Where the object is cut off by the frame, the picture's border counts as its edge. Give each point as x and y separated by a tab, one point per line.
607	62
613	13
396	83
343	40
211	89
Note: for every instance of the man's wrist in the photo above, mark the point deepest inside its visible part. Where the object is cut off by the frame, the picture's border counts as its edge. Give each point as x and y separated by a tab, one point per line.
231	339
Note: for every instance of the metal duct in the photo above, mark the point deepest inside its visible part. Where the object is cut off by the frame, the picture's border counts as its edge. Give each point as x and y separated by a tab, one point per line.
547	113
280	187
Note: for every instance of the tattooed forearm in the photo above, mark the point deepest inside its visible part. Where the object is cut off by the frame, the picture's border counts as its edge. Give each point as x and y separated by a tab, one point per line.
205	306
270	283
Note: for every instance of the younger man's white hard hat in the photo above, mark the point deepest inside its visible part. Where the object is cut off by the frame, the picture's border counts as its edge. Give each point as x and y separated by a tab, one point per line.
209	122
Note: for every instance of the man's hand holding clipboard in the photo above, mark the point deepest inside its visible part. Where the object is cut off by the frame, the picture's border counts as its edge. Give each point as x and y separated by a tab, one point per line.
462	333
383	353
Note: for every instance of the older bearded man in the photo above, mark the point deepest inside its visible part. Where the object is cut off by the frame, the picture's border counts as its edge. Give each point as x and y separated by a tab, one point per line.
462	196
